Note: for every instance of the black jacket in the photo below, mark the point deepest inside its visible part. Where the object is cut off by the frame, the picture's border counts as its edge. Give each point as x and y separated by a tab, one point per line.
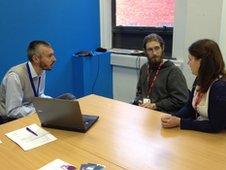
170	90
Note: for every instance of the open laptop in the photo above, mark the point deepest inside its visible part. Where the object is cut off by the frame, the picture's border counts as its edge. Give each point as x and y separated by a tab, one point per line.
62	114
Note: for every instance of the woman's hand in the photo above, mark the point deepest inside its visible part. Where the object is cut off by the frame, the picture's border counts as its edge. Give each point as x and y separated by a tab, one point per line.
169	121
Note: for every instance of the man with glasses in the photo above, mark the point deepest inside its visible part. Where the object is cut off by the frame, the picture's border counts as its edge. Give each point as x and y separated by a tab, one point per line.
161	85
26	80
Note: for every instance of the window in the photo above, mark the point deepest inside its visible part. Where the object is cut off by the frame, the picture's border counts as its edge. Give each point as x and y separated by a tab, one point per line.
132	20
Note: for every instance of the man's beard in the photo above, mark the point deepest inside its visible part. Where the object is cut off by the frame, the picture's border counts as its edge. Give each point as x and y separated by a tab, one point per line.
154	62
45	67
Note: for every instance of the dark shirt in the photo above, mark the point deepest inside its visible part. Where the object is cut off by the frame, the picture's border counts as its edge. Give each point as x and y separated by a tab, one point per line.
169	91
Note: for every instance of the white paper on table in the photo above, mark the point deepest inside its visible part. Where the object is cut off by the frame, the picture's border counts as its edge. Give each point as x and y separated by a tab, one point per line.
27	140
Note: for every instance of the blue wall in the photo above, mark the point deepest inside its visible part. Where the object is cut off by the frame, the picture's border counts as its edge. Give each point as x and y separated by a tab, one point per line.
93	75
69	25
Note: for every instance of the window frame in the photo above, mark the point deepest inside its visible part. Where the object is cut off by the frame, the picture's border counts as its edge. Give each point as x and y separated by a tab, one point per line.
136	34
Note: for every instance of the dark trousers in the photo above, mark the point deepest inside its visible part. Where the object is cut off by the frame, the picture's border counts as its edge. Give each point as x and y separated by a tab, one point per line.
6	119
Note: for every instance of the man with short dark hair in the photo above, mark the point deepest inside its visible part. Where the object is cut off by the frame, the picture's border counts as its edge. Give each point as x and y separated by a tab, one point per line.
26	80
161	84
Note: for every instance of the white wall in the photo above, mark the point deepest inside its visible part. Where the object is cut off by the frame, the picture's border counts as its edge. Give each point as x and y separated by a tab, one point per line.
105	24
223	31
195	19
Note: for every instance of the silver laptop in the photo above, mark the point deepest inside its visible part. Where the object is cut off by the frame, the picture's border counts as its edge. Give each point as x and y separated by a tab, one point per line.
62	114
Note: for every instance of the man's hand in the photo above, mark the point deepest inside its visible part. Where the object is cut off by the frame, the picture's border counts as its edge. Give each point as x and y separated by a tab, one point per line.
149	105
169	121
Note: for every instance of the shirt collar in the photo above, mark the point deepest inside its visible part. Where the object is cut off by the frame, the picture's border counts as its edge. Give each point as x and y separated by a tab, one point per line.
33	72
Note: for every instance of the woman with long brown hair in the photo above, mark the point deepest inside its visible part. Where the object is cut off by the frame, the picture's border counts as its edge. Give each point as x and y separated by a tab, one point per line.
206	108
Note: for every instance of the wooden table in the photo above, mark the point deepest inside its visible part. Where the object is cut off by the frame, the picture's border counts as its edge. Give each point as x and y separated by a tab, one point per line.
12	157
125	137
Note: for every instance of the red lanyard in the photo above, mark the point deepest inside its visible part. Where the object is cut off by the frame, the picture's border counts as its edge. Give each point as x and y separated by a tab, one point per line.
152	81
197	101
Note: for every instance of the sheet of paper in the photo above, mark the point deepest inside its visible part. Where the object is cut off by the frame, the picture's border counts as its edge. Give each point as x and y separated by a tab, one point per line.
30	137
58	164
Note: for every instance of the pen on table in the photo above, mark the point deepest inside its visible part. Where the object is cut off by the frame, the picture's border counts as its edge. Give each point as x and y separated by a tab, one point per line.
31	131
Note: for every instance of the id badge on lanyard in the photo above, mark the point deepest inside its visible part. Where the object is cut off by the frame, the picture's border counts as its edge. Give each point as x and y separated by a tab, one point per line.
146	100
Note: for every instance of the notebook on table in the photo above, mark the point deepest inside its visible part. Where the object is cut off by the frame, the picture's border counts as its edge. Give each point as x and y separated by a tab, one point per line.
62	114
